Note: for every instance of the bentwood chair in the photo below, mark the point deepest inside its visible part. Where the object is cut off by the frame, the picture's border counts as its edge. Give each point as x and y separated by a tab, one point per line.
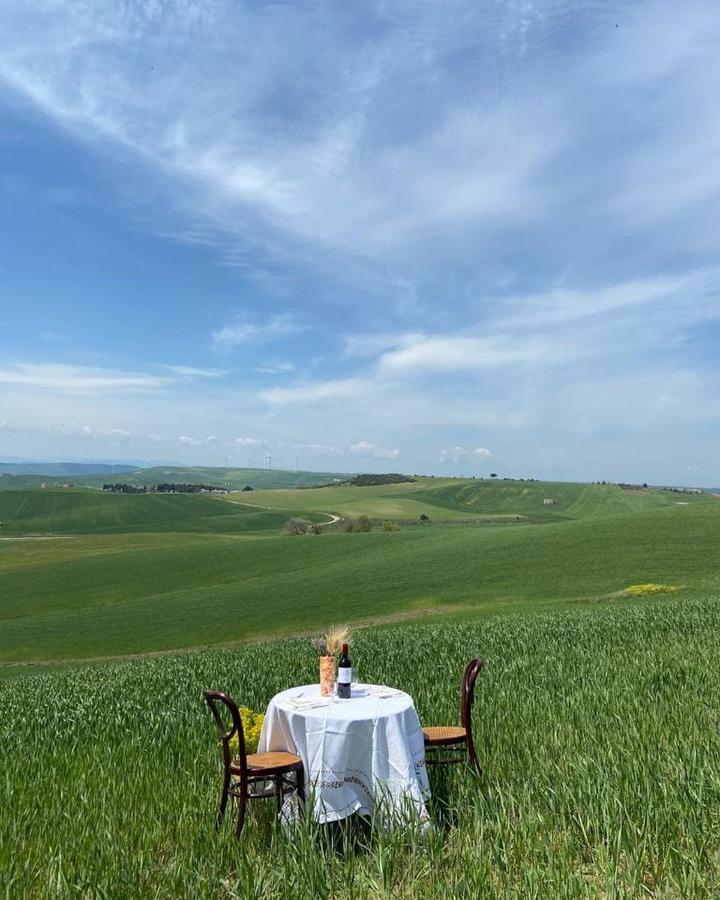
250	776
447	744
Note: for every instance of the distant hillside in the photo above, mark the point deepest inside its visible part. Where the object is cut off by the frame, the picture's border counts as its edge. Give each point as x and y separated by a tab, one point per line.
549	501
88	512
65	469
230	478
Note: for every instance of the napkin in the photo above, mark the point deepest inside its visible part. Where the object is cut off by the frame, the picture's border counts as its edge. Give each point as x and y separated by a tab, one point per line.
306	702
385	693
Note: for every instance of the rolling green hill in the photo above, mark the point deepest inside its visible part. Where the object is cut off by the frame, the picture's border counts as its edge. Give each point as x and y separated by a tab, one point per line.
63	512
119	594
572	501
463	500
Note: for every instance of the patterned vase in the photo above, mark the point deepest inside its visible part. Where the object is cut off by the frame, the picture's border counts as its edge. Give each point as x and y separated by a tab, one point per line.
327	675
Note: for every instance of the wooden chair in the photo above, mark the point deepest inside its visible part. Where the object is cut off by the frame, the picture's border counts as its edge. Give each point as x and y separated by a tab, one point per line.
447	744
246	777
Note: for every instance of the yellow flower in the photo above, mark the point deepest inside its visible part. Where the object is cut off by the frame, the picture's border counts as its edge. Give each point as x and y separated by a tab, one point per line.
252	723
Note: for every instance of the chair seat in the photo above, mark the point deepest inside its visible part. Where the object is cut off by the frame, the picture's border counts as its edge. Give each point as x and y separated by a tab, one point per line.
261	763
443	734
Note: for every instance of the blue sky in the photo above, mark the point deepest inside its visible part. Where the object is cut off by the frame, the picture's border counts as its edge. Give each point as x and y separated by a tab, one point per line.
449	237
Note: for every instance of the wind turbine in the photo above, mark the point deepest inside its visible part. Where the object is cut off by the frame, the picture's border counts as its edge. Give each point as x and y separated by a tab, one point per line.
269	459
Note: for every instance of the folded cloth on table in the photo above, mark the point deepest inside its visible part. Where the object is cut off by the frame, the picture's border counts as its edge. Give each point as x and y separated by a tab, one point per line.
306	702
384	692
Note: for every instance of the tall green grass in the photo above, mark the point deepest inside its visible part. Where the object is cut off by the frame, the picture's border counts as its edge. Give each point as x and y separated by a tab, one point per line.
598	732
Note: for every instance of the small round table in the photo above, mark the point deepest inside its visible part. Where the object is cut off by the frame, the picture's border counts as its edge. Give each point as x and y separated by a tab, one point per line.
364	755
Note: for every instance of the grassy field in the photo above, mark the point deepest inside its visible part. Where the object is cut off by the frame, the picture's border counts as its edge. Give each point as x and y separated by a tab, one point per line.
467	500
598	731
60	512
596	722
125	593
85	596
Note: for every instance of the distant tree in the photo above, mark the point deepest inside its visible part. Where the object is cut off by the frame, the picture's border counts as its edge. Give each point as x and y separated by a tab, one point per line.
369	480
247	488
424	518
493	474
297	526
362	523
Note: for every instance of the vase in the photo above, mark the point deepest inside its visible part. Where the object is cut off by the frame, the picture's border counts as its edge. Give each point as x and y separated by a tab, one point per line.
327	675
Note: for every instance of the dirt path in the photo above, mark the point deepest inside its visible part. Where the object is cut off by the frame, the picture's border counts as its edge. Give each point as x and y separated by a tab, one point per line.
332	518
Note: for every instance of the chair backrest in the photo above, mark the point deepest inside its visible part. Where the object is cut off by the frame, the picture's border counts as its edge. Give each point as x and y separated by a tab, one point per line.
467	691
216	700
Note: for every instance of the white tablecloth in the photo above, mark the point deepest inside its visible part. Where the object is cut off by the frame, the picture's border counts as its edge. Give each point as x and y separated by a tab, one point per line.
360	755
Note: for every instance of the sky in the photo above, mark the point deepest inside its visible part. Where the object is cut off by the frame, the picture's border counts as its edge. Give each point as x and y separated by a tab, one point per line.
439	237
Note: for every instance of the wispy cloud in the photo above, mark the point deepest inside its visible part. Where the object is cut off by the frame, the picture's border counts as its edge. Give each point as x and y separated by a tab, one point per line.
276	368
367	448
505	220
192	372
79	379
188	441
247	332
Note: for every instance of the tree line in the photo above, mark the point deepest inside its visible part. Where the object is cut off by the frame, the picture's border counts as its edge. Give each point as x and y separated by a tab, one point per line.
165	488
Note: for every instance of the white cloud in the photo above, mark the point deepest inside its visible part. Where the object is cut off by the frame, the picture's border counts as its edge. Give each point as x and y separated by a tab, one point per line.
365	448
451	353
197	442
339	389
112	433
369	345
192	372
276	368
246	332
248	442
453	454
458	454
79	379
562	306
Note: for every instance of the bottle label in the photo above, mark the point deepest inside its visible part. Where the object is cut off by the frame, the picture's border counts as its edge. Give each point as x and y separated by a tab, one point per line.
344	675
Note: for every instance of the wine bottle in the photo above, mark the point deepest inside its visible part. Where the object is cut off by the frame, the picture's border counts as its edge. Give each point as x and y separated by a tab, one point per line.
344	675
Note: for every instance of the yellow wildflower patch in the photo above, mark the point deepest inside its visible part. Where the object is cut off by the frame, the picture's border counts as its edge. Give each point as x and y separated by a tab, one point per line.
638	590
252	723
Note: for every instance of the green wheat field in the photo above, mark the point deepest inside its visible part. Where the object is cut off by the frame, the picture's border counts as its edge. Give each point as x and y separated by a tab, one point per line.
597	718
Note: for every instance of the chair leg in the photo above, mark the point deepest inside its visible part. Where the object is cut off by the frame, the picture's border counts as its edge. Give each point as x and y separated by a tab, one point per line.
223	803
279	793
300	784
473	757
241	802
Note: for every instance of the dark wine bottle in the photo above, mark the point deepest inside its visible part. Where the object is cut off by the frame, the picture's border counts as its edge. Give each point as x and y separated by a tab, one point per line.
344	676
